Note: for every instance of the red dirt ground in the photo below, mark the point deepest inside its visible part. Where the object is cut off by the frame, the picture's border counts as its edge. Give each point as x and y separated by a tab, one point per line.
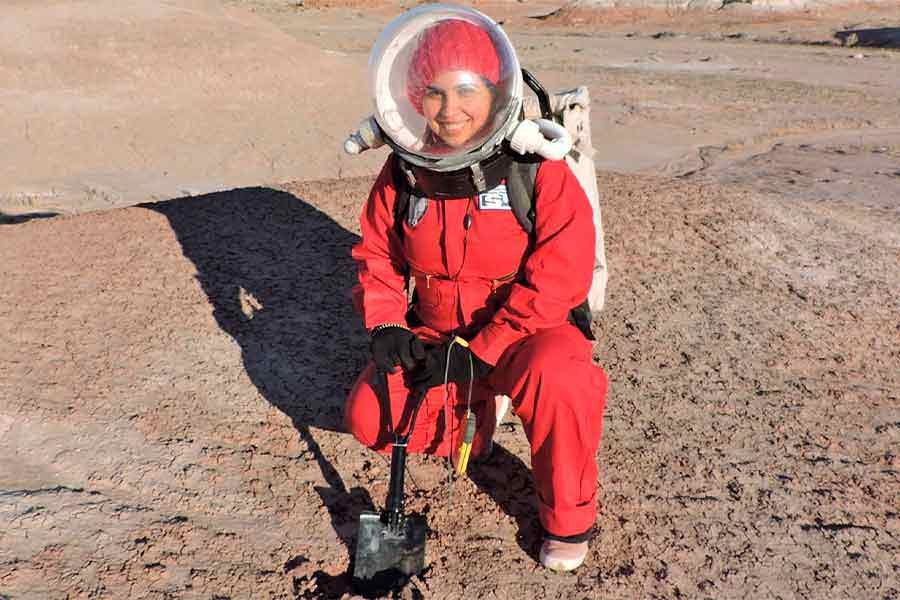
174	374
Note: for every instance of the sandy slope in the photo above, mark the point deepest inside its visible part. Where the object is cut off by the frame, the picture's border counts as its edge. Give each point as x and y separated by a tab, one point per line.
174	372
109	103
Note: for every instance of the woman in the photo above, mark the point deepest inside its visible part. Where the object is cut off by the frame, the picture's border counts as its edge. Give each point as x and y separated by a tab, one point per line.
479	276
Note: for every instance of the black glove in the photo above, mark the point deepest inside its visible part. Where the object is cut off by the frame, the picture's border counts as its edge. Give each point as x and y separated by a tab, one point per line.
396	345
430	373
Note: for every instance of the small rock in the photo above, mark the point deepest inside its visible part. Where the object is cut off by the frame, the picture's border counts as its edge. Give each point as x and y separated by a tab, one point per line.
859	56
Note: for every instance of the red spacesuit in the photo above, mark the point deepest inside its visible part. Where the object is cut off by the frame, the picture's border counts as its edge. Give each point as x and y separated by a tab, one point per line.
480	276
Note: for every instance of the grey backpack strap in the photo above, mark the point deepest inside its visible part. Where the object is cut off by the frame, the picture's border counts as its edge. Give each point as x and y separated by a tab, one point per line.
403	187
522	201
520	190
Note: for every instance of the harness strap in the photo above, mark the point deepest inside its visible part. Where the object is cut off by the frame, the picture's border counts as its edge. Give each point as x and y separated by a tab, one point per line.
520	188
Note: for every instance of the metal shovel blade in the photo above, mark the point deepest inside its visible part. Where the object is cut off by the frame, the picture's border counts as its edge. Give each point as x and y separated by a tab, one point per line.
382	552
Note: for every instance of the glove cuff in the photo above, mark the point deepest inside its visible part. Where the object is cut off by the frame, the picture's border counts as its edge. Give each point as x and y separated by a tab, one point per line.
379	328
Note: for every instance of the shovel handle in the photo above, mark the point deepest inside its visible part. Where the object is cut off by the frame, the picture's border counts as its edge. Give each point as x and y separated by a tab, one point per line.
394	503
395	498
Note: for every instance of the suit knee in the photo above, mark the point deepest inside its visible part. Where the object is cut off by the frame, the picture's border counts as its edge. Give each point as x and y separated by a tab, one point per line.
362	414
550	354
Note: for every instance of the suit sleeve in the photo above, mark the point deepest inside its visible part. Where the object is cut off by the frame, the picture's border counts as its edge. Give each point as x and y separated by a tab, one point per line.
557	272
380	295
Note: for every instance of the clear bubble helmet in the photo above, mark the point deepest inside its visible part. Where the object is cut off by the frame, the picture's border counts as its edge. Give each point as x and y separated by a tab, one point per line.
446	86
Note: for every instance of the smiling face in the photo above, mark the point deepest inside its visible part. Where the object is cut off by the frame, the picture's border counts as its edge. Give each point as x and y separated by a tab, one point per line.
457	106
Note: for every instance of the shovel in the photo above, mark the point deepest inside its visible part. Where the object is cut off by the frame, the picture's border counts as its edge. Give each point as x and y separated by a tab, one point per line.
391	543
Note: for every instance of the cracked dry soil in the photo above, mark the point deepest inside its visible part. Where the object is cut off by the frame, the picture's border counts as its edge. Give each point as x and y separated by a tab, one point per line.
173	377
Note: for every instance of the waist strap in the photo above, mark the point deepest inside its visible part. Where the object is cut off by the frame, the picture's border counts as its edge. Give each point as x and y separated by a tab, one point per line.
494	281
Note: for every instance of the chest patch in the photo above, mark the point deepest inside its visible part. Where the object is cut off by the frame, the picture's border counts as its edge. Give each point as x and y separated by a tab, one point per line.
416	210
495	199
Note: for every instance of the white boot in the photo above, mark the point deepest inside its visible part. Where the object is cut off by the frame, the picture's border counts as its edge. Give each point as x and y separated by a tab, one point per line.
563	556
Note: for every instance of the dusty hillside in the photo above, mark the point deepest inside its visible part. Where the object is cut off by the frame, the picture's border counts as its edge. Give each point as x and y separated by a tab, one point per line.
174	373
108	104
112	103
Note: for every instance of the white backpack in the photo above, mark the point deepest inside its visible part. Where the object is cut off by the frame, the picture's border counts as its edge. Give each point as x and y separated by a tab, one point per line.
573	109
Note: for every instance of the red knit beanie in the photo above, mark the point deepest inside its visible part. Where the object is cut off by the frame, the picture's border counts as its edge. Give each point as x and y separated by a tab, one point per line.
451	45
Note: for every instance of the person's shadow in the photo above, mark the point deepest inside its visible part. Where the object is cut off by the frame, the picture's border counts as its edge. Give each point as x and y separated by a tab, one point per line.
278	274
